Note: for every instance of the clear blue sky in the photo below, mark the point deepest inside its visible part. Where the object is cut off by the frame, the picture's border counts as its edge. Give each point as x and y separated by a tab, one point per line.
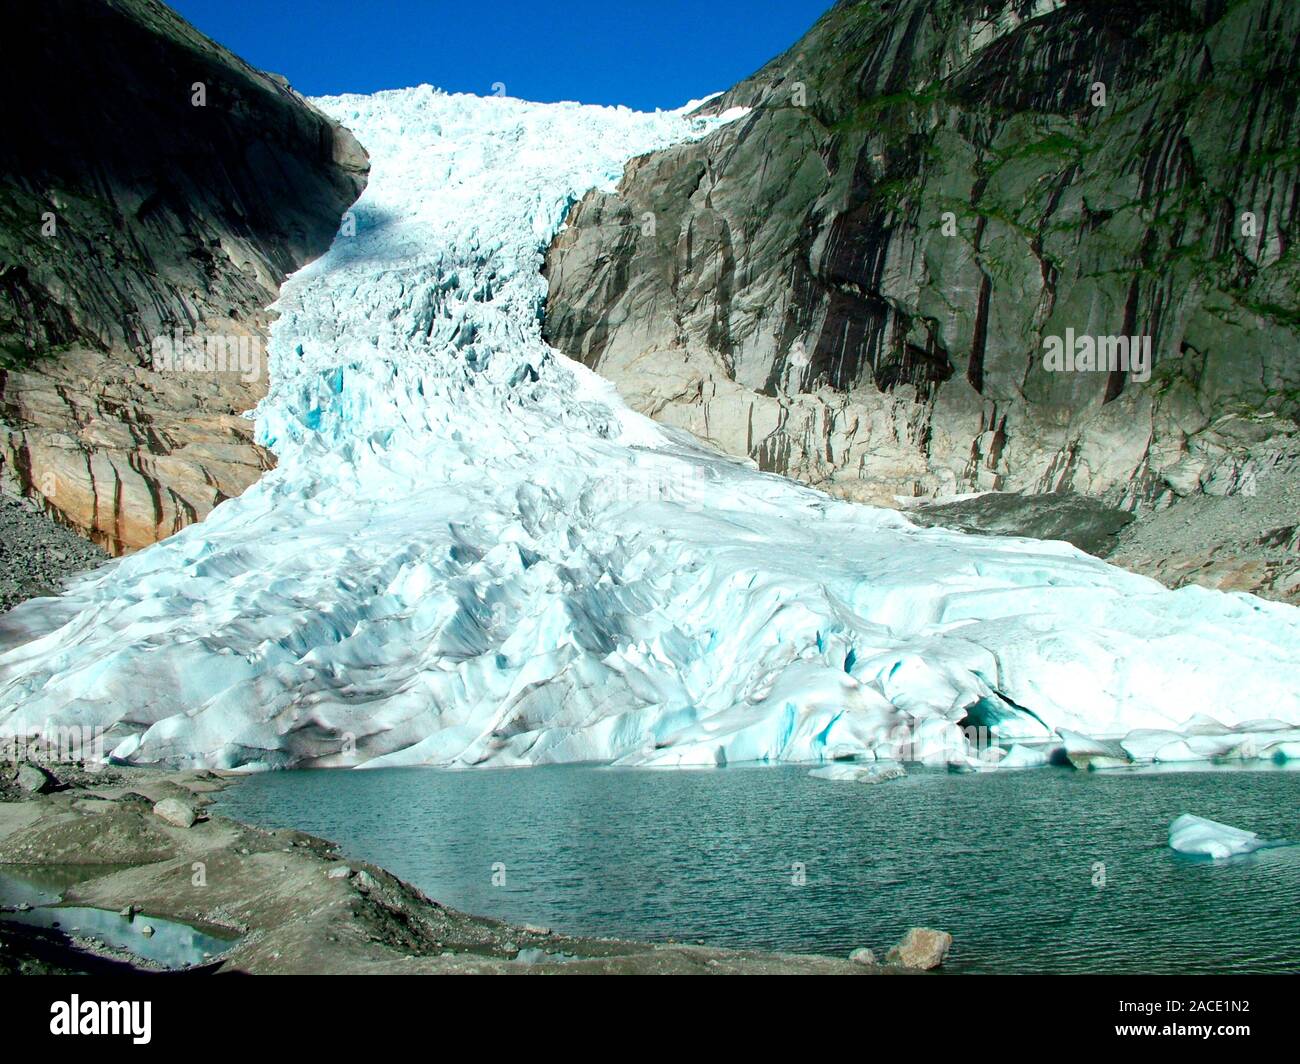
643	53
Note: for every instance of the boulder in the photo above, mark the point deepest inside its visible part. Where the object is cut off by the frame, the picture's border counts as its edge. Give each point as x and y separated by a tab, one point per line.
922	948
35	780
175	812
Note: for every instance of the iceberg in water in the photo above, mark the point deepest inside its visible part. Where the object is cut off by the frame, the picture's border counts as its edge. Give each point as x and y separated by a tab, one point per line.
874	772
1208	838
472	553
1020	756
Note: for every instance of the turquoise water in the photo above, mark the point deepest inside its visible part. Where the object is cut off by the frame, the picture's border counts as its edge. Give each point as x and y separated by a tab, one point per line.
1009	862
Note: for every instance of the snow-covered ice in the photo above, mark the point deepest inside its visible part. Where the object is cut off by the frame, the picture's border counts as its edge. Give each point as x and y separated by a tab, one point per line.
1208	838
472	553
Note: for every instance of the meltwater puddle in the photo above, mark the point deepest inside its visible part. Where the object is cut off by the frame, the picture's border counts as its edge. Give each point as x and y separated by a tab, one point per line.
32	896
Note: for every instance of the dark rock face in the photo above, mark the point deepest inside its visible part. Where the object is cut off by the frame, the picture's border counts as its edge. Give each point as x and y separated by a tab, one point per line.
1085	522
855	284
127	213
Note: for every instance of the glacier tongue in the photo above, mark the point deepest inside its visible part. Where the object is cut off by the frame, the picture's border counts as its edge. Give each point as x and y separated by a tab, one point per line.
472	553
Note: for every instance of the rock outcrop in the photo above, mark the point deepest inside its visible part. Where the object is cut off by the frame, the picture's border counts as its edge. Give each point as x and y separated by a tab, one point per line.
154	193
858	283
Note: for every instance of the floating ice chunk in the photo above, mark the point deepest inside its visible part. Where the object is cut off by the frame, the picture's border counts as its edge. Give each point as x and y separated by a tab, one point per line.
989	758
1143	743
1208	838
1155	744
1245	742
1174	751
1200	739
876	772
1088	753
1021	756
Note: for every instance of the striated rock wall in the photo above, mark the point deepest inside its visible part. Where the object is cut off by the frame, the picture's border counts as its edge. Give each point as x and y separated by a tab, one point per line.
853	285
151	185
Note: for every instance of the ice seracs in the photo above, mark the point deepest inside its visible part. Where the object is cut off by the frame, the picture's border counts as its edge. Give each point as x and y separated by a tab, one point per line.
472	553
1208	838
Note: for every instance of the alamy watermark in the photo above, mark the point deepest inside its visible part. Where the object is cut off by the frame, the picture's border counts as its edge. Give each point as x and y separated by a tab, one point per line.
123	1018
183	352
1074	353
51	744
679	484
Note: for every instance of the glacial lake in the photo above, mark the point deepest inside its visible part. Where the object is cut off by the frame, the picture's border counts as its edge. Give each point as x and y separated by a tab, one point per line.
1044	870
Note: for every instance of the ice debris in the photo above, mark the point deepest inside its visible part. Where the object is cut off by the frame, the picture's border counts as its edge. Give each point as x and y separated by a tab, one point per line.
1208	838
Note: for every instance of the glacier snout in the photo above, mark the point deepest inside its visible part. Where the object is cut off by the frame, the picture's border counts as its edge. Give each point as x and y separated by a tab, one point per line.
471	553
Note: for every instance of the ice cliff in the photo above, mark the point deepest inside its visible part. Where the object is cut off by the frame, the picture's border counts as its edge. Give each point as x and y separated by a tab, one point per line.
471	552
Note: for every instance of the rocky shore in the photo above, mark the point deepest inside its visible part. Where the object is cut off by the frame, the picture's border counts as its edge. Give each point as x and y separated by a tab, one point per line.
287	901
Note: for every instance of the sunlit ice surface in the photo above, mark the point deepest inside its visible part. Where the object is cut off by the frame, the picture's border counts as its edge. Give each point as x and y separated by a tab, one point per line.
472	553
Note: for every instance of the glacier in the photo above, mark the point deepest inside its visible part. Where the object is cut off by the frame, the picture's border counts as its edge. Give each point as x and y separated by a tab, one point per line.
472	553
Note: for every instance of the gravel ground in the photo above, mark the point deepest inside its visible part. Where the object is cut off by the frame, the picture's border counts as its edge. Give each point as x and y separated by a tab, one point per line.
1242	542
36	553
1086	523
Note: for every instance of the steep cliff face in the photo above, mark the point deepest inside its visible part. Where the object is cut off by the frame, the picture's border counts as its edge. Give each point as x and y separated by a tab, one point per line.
856	284
152	185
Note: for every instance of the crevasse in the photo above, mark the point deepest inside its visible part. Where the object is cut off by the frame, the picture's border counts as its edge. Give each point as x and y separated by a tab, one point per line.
472	553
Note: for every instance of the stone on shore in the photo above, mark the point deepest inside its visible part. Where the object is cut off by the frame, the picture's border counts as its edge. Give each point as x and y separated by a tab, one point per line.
175	812
35	780
922	948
